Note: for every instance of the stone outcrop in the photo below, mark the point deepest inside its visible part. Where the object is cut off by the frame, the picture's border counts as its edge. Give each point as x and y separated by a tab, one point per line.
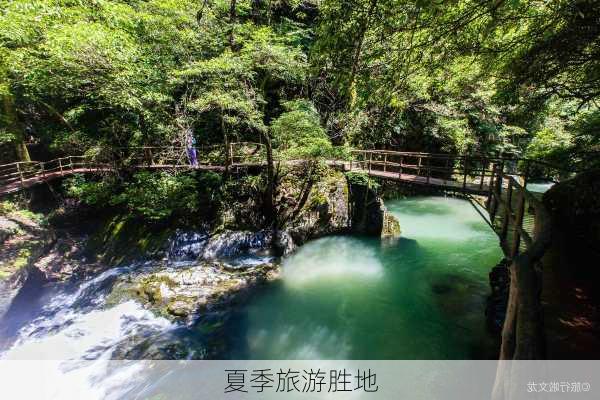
368	214
497	302
325	212
188	292
7	228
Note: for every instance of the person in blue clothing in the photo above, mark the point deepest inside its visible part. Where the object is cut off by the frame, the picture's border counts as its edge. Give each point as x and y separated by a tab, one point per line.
191	149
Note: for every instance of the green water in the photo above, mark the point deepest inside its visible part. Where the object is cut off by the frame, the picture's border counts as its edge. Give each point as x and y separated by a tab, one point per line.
421	297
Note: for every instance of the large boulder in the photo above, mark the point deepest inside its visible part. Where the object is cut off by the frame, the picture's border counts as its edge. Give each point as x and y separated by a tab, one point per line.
188	292
368	214
325	212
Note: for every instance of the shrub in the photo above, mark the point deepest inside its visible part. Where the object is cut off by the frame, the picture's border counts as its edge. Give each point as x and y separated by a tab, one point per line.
158	196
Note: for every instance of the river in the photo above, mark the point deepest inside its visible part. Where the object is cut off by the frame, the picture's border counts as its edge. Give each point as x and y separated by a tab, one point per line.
340	297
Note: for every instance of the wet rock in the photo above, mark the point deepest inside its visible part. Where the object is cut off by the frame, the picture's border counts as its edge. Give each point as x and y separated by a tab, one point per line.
232	243
187	246
391	226
7	229
186	292
368	214
325	212
497	302
180	308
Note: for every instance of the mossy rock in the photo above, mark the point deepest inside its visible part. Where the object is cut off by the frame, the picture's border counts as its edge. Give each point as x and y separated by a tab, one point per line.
122	239
391	226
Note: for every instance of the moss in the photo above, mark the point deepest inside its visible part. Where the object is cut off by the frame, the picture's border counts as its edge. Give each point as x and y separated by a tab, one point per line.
23	256
361	179
121	239
22	259
317	199
7	207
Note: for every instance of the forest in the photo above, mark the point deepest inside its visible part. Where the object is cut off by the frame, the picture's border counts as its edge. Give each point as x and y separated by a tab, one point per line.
311	78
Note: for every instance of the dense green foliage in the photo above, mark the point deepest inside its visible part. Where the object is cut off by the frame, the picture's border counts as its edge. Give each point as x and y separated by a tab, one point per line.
484	76
311	78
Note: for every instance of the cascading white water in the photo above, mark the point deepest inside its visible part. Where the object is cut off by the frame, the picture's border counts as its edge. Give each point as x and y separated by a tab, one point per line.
80	325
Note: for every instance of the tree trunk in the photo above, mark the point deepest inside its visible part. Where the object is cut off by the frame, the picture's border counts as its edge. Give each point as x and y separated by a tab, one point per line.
307	186
232	21
14	127
226	151
522	337
256	11
358	51
270	211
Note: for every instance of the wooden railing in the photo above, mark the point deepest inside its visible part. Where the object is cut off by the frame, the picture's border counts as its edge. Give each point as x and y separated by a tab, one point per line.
497	184
469	173
23	171
454	172
18	175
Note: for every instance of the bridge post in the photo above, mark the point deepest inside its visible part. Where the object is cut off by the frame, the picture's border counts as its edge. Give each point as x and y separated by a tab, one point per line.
148	156
448	172
385	162
370	160
483	168
60	165
507	212
492	202
525	177
43	171
20	172
71	163
428	169
492	177
400	169
464	185
518	223
497	192
419	166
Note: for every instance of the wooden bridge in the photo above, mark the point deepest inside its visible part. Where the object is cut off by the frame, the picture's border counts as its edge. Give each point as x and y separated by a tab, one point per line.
24	174
496	185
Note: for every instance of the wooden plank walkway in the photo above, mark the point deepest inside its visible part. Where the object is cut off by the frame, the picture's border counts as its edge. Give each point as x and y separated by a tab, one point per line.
29	182
446	184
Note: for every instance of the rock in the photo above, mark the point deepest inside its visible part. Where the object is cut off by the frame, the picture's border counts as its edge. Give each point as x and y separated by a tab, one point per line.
186	292
497	301
7	229
369	215
187	245
233	243
180	308
325	212
391	226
